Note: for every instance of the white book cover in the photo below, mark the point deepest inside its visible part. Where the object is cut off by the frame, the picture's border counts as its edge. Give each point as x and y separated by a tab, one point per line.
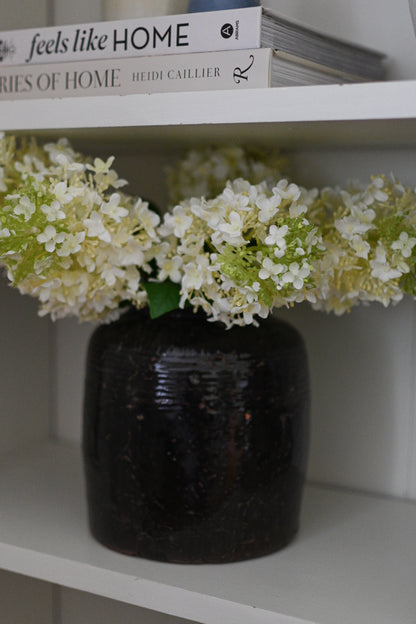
235	69
165	34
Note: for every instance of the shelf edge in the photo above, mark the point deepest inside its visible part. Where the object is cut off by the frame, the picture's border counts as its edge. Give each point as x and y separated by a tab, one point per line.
136	591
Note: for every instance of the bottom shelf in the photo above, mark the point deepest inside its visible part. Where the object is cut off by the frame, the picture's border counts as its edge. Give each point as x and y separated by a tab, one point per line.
354	560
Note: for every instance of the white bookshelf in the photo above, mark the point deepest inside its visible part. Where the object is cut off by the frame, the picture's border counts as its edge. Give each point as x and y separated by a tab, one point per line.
354	559
382	114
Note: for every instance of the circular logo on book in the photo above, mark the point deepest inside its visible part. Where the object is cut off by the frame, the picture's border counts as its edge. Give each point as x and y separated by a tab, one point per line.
227	31
6	49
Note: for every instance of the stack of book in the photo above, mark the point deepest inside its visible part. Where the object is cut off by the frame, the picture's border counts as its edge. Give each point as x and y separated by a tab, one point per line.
233	49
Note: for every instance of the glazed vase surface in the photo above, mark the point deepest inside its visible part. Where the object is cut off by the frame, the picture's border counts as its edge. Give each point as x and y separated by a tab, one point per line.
195	437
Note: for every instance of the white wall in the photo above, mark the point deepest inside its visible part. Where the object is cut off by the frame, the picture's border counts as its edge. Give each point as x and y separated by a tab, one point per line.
363	425
381	24
82	608
25	600
25	344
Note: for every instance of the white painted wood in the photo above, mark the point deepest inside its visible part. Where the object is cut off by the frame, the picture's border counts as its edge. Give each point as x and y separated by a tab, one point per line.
82	608
353	561
25	375
381	114
393	100
411	454
69	355
362	380
25	600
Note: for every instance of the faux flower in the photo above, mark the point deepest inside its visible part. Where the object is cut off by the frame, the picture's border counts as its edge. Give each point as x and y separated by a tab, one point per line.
205	172
240	239
66	236
252	256
369	233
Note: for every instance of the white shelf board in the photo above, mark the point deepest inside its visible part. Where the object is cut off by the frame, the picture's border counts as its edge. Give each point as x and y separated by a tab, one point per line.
354	560
370	113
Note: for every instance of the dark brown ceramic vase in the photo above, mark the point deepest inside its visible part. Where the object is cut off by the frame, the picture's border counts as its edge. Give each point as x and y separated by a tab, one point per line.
195	437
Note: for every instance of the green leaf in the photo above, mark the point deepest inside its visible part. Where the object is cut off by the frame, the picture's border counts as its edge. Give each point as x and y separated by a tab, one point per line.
163	297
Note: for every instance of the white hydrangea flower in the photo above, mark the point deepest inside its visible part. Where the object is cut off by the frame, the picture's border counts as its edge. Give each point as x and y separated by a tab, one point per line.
351	226
62	193
71	244
169	268
297	209
287	190
374	191
132	280
257	242
131	253
3	185
250	310
50	237
196	273
303	201
270	269
236	196
364	214
112	208
53	211
149	219
111	274
60	152
360	246
96	228
101	166
31	166
296	275
25	207
211	212
205	172
404	244
381	269
276	236
268	207
93	255
230	231
178	222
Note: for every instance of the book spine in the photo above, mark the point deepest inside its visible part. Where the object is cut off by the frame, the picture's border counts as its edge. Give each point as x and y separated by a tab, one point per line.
231	29
235	69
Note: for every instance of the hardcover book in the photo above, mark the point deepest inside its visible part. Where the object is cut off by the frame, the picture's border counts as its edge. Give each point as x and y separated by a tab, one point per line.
244	28
234	69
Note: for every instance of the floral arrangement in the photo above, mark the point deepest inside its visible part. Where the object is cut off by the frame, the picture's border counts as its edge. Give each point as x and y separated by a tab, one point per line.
239	239
242	252
369	235
68	236
204	172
